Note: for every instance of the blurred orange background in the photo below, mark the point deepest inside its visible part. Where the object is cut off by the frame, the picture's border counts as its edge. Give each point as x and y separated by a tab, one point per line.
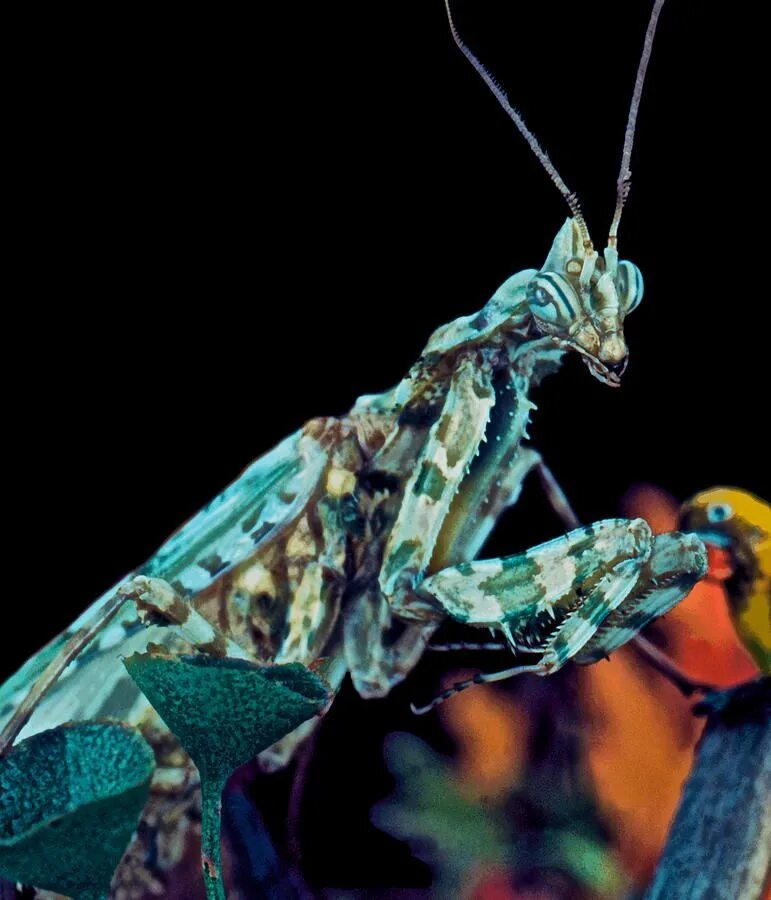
638	730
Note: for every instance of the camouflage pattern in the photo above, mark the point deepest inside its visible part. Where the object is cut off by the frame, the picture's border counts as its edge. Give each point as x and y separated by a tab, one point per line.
356	536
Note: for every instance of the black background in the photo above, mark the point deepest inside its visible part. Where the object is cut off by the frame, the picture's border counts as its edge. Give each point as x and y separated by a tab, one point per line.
231	224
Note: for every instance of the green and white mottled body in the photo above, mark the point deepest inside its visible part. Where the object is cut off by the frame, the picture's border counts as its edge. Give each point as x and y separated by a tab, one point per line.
355	537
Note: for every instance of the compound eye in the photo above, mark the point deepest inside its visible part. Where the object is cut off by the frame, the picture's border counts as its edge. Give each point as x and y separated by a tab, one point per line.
629	284
552	299
719	512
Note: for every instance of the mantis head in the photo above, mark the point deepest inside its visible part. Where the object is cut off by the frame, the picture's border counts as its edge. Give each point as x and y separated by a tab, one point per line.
582	300
578	297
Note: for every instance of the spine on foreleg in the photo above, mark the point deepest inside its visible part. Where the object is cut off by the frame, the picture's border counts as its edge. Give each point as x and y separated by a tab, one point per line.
452	441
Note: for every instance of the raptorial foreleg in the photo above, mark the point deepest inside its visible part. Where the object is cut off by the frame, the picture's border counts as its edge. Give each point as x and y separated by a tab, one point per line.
577	597
676	563
648	651
443	462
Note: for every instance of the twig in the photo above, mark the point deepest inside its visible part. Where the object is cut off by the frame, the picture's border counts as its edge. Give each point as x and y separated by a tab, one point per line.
720	843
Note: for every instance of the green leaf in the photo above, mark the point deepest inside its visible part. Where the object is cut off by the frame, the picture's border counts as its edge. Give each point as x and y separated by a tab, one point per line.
224	712
69	803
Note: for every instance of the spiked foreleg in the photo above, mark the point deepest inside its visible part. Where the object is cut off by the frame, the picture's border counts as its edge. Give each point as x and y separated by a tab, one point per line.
657	606
655	657
578	597
497	474
550	600
483	497
450	447
676	563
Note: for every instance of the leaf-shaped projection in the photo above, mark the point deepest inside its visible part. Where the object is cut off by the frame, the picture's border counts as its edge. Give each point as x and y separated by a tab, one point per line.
69	803
224	712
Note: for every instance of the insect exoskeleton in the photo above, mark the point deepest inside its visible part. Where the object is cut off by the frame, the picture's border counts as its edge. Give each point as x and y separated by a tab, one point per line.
355	537
324	544
582	299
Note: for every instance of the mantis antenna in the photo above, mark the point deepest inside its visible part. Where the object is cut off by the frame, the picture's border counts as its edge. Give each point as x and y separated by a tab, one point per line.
624	182
540	153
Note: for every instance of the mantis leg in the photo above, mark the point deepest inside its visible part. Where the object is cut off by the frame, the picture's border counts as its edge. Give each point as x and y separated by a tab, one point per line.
315	571
488	493
496	474
449	508
648	651
578	597
62	682
554	494
156	603
676	563
441	466
388	625
63	654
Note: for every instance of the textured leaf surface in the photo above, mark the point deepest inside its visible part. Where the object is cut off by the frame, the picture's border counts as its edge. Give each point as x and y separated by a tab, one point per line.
69	802
226	711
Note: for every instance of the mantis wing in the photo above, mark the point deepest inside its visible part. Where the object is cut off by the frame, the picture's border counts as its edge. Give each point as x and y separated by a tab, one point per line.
266	498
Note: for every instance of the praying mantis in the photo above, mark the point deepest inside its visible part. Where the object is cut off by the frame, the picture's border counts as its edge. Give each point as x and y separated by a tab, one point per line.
358	535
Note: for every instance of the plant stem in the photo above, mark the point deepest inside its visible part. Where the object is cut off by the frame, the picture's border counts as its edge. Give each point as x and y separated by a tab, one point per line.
720	842
211	855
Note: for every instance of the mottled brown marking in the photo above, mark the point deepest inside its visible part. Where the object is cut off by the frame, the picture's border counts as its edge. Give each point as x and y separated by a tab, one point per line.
443	429
177	612
213	564
216	647
327	430
224	589
371	431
